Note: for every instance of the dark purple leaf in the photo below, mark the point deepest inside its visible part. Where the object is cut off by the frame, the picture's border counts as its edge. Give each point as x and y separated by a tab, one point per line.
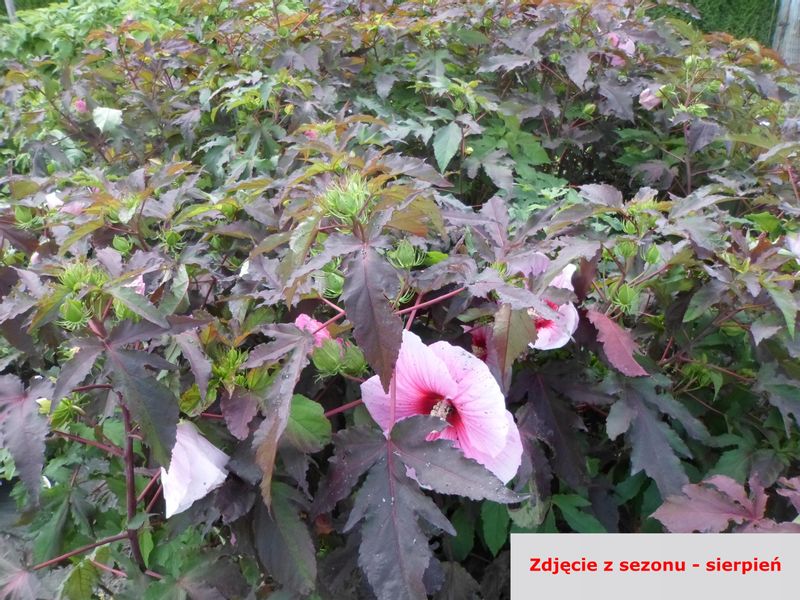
700	134
369	282
512	332
603	194
618	344
356	451
437	464
239	408
75	370
17	237
23	429
577	65
394	550
201	366
283	542
277	404
619	100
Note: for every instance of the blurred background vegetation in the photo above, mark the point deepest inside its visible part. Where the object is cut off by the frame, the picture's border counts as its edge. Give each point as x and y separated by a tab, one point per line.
742	18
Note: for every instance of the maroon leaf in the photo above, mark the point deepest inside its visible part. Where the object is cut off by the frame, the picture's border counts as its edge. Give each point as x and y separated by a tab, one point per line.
618	344
711	506
23	429
239	408
201	366
369	280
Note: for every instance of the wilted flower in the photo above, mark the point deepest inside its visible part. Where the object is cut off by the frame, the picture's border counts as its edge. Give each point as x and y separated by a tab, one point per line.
448	382
648	99
307	323
197	467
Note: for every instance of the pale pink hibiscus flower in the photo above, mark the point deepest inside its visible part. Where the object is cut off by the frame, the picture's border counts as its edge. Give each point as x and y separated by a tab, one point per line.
552	334
648	99
197	467
307	323
622	43
448	382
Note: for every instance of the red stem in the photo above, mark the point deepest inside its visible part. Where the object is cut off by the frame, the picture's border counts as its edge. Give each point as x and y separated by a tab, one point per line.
150	484
130	488
414	311
343	407
441	298
114	450
81	550
108	569
153	500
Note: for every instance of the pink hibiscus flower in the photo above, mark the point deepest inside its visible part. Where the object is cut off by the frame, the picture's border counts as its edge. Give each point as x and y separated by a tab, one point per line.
448	382
648	99
307	323
552	334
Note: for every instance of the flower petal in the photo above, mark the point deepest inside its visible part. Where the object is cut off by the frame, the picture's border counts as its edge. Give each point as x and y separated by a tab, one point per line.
504	464
196	468
564	279
479	403
421	380
555	334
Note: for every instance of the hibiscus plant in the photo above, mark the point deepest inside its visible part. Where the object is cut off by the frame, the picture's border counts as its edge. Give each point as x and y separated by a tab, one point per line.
325	299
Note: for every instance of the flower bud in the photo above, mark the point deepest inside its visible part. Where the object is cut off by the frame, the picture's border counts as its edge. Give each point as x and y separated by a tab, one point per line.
327	358
346	200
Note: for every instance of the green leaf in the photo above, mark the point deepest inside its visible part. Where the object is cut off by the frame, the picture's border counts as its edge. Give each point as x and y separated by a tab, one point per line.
107	119
138	304
462	543
570	506
495	523
446	143
786	303
308	429
79	584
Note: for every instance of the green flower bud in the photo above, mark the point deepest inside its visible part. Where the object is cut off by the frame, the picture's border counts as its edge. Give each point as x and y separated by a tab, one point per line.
406	256
589	109
346	200
334	284
74	314
122	244
626	248
353	362
328	358
653	255
627	298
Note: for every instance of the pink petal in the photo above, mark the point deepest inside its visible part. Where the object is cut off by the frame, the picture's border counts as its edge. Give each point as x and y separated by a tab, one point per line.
422	380
555	334
479	403
506	463
311	325
564	279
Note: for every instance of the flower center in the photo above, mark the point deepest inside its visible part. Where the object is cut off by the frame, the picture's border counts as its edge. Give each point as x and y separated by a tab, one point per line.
442	409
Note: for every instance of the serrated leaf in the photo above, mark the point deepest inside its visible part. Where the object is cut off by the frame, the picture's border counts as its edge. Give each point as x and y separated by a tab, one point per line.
23	429
786	303
706	297
276	409
506	62
192	350
652	453
512	331
357	450
308	429
618	344
440	466
494	526
369	281
80	583
239	408
446	142
709	507
283	542
783	393
394	552
152	404
570	506
139	304
75	370
462	543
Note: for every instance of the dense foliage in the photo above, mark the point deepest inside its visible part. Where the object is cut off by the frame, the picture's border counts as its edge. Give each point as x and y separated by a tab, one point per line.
222	218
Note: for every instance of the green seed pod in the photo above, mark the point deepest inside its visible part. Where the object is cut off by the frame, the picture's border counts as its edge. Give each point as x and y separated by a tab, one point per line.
406	256
626	248
334	284
653	255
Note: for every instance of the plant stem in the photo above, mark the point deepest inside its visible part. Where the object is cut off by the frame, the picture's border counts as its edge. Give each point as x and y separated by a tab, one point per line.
343	407
148	487
130	489
431	302
111	449
81	550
